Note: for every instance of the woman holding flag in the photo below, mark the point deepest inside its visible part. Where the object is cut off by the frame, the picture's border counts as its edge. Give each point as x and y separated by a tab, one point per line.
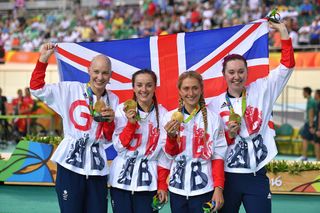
246	112
87	111
195	144
134	172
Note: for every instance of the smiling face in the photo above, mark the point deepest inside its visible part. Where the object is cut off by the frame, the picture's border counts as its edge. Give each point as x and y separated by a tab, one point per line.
190	90
144	87
236	75
100	73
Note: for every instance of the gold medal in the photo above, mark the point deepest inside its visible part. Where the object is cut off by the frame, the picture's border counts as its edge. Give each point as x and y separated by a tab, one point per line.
235	117
97	110
178	116
129	104
99	105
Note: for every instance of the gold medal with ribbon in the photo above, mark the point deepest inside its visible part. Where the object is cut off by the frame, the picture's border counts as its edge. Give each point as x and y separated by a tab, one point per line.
234	116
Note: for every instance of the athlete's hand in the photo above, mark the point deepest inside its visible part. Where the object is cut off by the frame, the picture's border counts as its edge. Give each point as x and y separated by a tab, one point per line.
131	115
46	50
218	198
108	113
172	128
281	27
234	128
163	196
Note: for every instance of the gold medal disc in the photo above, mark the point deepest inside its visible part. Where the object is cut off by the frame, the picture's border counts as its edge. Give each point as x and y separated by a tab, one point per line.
235	117
130	104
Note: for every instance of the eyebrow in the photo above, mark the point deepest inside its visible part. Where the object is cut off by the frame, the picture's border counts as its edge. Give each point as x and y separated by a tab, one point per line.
150	82
97	70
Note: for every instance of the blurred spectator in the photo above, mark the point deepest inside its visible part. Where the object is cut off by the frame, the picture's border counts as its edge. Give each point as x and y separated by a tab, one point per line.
292	33
27	45
105	2
27	101
17	102
195	16
304	33
151	9
3	122
207	16
65	23
306	8
19	3
23	105
18	124
317	126
15	42
254	4
3	101
308	129
2	53
315	31
281	6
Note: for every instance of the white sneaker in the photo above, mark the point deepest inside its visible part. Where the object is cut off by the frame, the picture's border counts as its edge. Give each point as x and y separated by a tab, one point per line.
302	158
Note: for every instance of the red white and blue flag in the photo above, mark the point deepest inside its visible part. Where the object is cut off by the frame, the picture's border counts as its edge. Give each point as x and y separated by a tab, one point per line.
170	55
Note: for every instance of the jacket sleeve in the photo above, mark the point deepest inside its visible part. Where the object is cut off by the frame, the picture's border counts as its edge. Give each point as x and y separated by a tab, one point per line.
171	146
162	178
38	76
49	93
272	86
124	131
108	129
164	165
218	172
127	133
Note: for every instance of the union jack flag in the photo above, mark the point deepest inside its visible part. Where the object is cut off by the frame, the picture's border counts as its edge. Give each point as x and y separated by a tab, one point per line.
170	55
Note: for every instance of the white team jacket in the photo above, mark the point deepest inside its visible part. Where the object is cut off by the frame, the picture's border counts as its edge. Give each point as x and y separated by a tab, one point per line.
191	170
135	167
82	149
254	146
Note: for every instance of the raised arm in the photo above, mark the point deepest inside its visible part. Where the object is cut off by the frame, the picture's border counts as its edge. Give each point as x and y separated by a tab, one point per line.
287	57
38	75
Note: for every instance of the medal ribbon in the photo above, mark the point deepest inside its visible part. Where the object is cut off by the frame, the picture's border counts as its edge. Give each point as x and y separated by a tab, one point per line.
138	116
243	103
193	113
90	97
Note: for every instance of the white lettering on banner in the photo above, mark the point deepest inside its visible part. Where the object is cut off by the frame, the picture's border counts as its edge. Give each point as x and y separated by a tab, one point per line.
276	181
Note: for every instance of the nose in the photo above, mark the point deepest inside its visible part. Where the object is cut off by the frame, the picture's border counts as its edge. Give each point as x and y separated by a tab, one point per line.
190	92
236	76
99	76
143	88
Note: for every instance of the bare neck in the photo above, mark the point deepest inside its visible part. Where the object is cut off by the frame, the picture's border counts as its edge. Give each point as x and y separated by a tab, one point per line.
97	92
146	106
235	93
190	108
